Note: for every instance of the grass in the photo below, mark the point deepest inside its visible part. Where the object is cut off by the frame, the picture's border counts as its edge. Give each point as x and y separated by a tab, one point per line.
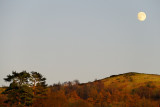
130	81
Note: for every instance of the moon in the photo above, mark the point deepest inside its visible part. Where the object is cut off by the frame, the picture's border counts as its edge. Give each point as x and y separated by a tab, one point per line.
141	16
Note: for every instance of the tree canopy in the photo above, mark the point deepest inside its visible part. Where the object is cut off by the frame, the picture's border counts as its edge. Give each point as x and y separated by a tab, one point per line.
24	87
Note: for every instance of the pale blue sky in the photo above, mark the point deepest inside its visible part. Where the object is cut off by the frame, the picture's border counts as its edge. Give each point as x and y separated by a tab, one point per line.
79	39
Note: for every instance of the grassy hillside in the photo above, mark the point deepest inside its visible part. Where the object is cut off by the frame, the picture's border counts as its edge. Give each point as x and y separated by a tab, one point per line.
123	90
129	81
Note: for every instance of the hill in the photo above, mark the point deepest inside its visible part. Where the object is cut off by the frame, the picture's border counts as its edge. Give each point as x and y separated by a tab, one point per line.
123	90
129	81
132	80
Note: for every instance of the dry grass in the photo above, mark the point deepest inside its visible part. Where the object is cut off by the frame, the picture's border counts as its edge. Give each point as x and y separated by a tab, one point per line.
129	82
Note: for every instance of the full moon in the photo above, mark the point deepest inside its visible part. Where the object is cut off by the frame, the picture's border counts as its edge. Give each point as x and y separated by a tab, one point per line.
141	16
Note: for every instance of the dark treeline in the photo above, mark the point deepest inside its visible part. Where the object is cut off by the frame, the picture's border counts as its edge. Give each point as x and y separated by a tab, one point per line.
73	94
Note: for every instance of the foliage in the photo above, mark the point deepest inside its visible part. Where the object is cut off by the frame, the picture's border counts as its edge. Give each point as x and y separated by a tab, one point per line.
21	90
124	90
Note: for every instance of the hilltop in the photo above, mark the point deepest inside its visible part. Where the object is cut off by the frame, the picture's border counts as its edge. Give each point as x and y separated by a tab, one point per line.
129	81
132	80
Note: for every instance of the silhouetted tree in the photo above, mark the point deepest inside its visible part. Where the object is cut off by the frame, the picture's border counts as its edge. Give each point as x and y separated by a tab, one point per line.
38	84
24	87
19	92
76	82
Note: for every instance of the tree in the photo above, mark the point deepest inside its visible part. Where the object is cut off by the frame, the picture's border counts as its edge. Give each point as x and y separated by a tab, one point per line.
19	92
20	79
38	84
24	87
76	82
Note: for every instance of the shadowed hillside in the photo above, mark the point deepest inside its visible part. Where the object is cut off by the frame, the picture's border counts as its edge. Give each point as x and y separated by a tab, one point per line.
124	90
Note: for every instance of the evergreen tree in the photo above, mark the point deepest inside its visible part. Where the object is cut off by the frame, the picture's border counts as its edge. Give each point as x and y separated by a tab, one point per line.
24	87
38	84
19	93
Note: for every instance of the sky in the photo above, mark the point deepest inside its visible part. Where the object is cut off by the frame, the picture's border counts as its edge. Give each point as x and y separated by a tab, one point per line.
86	40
